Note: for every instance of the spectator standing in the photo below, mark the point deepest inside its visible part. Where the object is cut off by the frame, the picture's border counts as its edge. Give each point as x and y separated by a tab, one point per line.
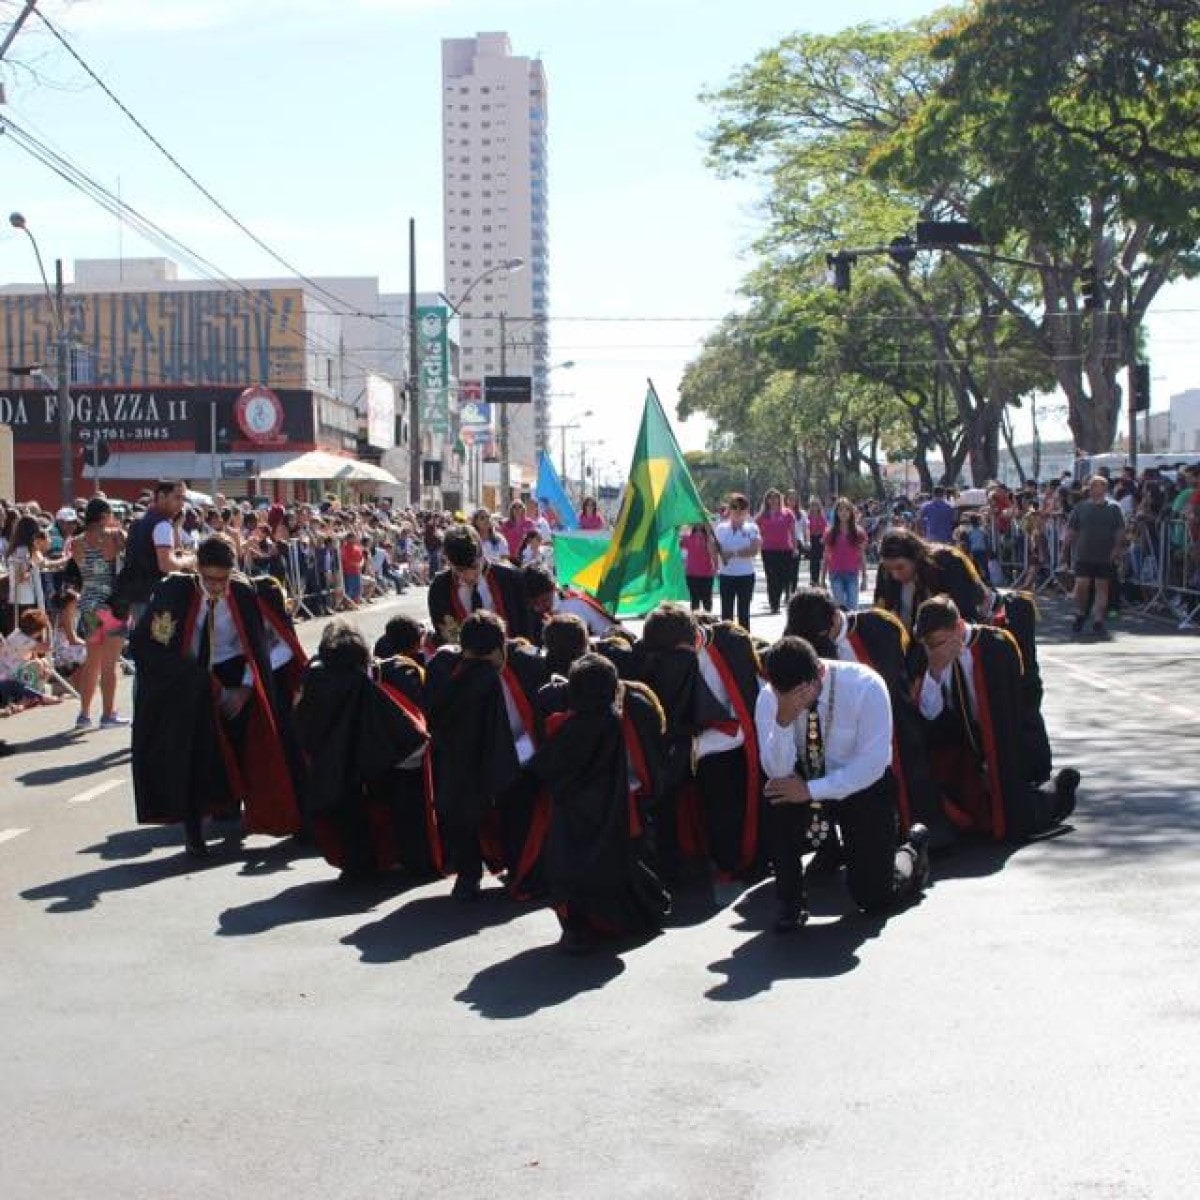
515	530
700	554
777	527
352	567
845	562
738	544
96	552
791	501
589	514
1096	533
936	518
818	526
495	548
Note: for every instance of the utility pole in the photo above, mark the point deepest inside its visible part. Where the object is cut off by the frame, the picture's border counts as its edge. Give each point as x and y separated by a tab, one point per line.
66	473
505	469
414	375
1131	372
11	36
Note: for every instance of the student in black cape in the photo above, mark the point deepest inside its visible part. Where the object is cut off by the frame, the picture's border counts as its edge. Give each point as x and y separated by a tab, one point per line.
912	569
366	814
477	753
470	582
971	698
707	682
600	881
546	599
207	719
403	636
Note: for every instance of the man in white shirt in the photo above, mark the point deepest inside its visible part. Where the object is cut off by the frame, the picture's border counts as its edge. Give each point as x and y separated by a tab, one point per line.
825	742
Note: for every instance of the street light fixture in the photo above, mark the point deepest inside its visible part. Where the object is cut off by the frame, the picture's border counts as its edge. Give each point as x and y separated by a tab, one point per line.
63	382
508	265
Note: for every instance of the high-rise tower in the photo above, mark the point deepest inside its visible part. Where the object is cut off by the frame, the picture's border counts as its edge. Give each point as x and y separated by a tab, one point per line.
494	211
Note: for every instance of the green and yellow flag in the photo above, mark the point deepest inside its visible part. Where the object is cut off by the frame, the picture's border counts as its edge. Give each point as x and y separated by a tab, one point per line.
643	565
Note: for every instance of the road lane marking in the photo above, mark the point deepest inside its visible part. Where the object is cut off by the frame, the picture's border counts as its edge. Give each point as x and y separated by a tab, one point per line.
98	790
7	835
1100	682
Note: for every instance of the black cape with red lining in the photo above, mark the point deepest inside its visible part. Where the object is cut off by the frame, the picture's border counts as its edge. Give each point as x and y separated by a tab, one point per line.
1009	806
595	857
365	811
881	642
182	761
950	573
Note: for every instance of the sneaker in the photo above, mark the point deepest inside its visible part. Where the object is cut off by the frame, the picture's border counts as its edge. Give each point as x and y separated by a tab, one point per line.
82	722
114	721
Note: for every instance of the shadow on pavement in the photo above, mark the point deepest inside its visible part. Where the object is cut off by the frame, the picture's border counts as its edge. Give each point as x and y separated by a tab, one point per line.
78	893
539	978
117	757
311	902
430	922
823	949
137	843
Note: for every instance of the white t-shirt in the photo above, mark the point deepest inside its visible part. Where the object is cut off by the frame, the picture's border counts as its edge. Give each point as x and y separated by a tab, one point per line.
742	538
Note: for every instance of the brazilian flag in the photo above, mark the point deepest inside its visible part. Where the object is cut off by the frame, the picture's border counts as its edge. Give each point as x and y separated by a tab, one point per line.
643	565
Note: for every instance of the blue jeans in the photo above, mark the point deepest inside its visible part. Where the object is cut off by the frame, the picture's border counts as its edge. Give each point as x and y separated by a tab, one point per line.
844	586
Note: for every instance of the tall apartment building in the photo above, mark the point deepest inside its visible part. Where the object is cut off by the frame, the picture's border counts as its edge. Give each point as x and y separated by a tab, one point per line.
494	210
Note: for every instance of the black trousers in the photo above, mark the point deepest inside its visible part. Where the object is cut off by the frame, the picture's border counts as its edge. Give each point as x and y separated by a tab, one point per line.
867	824
700	589
721	780
815	554
737	590
777	565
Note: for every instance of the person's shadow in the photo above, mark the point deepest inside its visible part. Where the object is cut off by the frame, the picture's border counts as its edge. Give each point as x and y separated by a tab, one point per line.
823	949
315	901
119	756
540	978
429	922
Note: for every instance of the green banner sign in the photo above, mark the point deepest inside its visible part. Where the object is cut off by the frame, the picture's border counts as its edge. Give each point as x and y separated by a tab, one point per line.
433	366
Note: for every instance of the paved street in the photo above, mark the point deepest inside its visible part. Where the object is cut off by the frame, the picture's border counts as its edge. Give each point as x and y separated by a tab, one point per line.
250	1028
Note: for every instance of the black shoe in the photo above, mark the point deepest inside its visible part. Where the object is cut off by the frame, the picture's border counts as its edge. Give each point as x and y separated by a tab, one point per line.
918	844
1066	783
790	917
197	848
466	889
1077	624
576	942
1099	630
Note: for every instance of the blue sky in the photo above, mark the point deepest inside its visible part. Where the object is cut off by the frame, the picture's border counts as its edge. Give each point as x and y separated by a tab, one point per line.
318	123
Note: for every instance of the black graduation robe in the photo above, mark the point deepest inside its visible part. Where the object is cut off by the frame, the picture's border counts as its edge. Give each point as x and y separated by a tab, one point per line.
366	813
595	859
184	764
951	573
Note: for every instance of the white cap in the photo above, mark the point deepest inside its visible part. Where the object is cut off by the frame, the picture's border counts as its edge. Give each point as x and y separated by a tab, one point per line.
66	514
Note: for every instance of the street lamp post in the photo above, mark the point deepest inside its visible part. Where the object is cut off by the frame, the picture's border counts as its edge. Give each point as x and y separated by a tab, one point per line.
63	383
509	264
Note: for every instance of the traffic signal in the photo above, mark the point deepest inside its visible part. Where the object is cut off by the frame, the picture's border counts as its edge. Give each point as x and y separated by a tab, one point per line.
1141	387
1089	287
948	233
839	265
902	250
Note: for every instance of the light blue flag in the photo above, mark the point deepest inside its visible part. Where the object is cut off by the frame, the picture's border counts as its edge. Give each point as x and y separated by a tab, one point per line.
552	496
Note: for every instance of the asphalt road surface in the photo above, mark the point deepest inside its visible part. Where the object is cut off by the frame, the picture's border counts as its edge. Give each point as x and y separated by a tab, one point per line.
251	1028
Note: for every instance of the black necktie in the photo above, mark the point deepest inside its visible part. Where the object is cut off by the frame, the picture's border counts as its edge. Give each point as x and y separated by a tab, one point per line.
476	599
961	702
204	654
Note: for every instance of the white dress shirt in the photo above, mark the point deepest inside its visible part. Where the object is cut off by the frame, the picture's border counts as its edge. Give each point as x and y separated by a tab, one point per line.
841	641
485	594
935	688
857	733
717	741
521	736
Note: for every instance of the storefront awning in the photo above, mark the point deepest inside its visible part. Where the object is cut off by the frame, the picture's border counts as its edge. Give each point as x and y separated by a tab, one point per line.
319	465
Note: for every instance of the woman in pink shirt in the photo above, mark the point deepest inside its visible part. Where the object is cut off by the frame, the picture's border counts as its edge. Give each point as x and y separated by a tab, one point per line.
515	529
777	528
845	562
699	565
589	515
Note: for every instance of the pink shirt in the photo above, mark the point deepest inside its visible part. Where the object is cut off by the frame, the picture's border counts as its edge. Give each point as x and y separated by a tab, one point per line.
591	521
777	529
845	554
697	556
514	534
817	524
